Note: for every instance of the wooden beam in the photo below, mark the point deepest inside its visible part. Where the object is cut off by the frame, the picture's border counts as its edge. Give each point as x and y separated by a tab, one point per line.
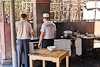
13	34
41	1
3	32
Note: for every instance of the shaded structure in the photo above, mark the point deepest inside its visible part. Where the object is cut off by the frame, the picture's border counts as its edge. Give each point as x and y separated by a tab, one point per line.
68	12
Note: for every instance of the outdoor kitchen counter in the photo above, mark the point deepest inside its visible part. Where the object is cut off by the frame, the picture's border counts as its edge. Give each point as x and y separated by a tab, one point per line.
89	44
62	44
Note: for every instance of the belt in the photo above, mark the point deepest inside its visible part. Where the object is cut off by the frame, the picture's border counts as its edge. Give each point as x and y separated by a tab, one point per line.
22	39
48	39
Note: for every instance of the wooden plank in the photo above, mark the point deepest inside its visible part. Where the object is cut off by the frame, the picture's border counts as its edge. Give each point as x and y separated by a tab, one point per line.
67	60
58	54
44	58
58	63
31	61
63	53
41	1
43	51
62	57
88	38
54	53
43	63
47	54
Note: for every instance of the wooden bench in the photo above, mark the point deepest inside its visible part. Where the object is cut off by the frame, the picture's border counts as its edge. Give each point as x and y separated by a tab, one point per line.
55	56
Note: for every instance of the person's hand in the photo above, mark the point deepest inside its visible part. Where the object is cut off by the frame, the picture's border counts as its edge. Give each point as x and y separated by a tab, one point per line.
32	37
39	46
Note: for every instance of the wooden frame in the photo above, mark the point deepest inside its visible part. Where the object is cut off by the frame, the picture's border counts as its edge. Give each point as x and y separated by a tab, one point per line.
41	1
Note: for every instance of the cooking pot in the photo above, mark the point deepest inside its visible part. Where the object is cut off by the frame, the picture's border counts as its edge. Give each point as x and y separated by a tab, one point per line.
67	34
75	34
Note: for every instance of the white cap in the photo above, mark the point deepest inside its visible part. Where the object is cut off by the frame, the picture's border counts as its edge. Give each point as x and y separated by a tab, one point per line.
46	15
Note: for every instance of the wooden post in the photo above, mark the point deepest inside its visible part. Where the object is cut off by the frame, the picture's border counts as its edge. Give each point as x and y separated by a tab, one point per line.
3	31
69	17
95	11
67	60
43	63
13	34
38	14
58	63
31	61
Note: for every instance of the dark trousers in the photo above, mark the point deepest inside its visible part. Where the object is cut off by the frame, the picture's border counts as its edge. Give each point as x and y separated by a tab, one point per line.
23	45
45	44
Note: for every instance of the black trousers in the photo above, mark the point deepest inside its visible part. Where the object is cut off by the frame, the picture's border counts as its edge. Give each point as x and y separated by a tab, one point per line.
47	42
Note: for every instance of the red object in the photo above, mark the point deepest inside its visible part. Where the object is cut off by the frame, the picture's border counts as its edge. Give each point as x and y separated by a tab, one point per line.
52	25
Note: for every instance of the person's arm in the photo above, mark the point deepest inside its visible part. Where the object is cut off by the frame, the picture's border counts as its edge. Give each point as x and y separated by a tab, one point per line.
55	35
31	31
55	32
32	34
41	35
16	27
41	38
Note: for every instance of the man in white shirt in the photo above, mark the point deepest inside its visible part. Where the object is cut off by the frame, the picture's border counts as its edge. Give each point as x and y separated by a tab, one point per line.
48	33
23	28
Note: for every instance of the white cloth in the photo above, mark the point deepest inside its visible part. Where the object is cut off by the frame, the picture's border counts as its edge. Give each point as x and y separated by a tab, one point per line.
63	44
96	44
49	29
78	44
23	29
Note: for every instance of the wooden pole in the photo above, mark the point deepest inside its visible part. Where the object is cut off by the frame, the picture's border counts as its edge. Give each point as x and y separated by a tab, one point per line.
13	34
3	20
95	10
69	17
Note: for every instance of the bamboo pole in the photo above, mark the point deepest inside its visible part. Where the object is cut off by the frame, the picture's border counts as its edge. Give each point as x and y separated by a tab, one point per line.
13	34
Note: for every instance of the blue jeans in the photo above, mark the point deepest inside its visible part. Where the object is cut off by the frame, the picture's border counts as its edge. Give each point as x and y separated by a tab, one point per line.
23	45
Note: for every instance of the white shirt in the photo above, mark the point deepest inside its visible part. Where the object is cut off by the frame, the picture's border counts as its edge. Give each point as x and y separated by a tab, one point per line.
49	29
23	29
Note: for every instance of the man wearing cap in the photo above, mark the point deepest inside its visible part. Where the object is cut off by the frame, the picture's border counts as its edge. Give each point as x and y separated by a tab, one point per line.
48	32
23	28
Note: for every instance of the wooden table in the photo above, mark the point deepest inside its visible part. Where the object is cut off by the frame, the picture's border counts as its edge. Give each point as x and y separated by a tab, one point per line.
88	38
55	56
